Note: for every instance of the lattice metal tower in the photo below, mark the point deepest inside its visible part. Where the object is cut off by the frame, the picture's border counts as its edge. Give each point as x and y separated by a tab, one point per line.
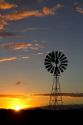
56	62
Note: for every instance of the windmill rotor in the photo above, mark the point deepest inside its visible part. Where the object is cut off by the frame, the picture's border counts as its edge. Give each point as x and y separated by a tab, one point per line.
55	62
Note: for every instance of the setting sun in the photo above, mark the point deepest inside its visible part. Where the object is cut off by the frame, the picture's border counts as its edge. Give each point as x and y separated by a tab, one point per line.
18	108
18	104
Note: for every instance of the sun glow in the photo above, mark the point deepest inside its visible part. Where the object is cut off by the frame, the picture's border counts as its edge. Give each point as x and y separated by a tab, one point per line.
18	104
18	108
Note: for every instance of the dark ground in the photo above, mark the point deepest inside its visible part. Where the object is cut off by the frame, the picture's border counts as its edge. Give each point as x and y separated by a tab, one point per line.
41	117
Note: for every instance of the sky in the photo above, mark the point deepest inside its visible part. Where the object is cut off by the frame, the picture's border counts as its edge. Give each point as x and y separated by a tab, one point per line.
29	29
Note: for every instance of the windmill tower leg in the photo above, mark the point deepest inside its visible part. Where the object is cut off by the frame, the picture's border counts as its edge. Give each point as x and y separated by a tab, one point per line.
55	96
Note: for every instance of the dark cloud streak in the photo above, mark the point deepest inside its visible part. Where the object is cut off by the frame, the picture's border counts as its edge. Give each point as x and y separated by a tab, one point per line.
18	83
63	94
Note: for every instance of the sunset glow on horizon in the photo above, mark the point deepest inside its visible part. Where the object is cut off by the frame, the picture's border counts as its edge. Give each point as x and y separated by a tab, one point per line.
17	103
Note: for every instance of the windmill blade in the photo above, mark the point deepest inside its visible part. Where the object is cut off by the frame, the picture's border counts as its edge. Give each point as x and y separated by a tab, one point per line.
49	68
59	55
65	58
56	53
47	60
47	63
48	57
64	64
61	69
62	56
52	70
64	61
53	56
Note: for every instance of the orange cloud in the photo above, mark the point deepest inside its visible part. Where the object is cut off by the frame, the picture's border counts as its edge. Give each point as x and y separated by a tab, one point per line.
19	15
2	59
51	11
23	14
48	11
79	8
16	46
3	23
8	59
14	96
5	5
22	45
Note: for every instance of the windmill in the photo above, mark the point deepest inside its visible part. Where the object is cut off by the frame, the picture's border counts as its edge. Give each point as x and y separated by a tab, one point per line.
55	63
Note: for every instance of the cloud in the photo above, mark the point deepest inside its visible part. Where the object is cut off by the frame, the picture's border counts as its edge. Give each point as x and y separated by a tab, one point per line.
25	57
15	46
14	96
33	28
5	5
21	46
36	46
22	14
18	15
63	94
29	96
79	8
3	23
28	29
18	82
51	11
7	34
7	59
39	53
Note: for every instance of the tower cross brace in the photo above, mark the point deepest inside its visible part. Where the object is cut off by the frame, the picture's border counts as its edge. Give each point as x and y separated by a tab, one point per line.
55	97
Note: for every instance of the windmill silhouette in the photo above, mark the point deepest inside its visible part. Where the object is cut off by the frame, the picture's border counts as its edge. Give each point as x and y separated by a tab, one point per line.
55	63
